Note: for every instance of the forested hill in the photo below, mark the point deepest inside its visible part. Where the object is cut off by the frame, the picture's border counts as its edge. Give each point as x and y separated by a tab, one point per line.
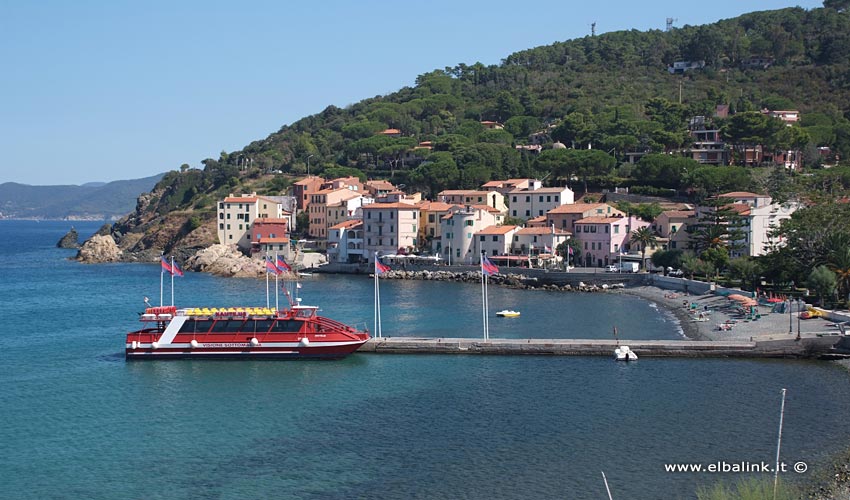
612	92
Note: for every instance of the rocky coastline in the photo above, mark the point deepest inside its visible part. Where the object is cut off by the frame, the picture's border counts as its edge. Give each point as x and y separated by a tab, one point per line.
517	281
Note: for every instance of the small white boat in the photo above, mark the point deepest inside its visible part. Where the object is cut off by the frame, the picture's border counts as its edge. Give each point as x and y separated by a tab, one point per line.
507	313
304	275
623	353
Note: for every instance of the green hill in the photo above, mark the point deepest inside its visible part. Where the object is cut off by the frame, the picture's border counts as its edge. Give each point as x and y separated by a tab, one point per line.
612	92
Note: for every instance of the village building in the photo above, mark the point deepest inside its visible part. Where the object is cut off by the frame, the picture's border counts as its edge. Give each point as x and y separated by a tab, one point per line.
529	203
345	243
565	216
390	228
606	240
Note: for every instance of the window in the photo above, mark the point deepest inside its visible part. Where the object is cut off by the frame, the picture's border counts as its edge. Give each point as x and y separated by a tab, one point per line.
431	218
514	201
392	242
468	223
240	227
482	238
527	213
514	213
592	229
221	215
228	216
221	226
616	247
228	226
392	215
221	206
469	236
585	245
535	239
549	199
369	215
556	199
541	198
606	229
495	238
528	199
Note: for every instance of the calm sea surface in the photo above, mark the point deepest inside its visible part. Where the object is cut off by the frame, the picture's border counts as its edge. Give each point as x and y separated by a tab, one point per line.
80	422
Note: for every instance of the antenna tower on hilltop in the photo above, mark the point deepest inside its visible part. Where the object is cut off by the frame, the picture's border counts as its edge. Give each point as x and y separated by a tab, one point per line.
670	22
593	28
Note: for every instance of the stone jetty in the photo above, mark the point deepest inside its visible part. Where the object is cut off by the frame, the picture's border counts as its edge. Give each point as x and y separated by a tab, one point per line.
805	348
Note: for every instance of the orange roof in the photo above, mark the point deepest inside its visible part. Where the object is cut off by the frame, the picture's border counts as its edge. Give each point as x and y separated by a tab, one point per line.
741	194
379	206
542	230
347	224
679	213
741	208
600	220
493	184
577	208
390	131
487	208
270	220
239	199
434	206
497	230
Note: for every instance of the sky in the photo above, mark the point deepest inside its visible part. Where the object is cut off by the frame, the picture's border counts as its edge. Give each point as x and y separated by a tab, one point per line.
96	91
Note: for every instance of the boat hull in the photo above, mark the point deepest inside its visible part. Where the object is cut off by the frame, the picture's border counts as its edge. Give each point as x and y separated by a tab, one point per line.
337	351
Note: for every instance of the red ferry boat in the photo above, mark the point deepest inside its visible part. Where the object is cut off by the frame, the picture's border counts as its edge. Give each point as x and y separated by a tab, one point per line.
241	333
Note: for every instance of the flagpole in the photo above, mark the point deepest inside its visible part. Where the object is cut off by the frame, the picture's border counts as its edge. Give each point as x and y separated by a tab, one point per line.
172	281
276	304
268	304
161	277
380	331
483	298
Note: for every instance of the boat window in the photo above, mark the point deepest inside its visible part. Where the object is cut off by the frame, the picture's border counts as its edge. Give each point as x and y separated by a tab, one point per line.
224	325
196	326
287	325
260	326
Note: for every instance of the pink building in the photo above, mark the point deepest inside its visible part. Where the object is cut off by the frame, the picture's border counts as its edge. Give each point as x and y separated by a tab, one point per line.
604	240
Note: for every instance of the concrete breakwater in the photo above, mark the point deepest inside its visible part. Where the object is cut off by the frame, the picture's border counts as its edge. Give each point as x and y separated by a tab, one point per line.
535	279
782	348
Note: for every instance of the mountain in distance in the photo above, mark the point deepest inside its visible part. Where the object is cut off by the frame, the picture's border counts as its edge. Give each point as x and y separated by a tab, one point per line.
92	201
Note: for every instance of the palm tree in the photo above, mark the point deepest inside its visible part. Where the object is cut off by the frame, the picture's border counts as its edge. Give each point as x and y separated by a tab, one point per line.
838	260
644	237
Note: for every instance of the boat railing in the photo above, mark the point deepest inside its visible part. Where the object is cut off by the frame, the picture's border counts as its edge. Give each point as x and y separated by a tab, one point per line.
330	324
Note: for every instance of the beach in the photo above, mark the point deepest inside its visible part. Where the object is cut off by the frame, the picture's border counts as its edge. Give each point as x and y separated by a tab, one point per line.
701	316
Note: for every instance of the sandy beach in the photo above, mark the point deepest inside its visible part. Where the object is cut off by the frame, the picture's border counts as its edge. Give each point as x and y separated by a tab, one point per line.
701	316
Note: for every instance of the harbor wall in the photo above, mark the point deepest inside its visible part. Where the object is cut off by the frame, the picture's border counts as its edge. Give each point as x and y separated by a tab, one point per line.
783	348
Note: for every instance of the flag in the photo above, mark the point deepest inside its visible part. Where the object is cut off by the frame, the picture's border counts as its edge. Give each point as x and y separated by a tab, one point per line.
282	265
488	267
380	268
270	267
569	250
547	249
177	270
298	285
165	265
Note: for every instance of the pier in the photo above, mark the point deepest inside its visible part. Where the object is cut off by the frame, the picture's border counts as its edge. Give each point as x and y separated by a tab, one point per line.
814	347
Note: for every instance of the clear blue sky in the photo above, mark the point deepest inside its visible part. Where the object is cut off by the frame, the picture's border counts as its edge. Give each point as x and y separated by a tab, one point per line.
108	90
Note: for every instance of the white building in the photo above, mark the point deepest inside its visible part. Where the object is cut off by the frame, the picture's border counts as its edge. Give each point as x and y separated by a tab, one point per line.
345	242
458	228
529	203
236	214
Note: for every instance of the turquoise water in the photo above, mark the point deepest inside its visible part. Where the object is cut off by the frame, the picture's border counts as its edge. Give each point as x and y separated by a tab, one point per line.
80	422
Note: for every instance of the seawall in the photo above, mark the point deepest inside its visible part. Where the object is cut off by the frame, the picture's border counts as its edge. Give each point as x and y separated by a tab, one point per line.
790	348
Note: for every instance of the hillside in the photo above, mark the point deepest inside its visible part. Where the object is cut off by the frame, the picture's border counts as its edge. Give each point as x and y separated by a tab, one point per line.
605	96
90	201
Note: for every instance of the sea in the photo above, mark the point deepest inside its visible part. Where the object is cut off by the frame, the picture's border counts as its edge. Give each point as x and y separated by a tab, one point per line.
78	421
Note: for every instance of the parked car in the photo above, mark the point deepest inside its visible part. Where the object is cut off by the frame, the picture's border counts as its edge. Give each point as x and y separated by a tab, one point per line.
629	267
675	272
611	269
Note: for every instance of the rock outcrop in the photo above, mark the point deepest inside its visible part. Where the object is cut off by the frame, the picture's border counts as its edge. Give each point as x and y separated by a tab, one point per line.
70	240
99	248
225	260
